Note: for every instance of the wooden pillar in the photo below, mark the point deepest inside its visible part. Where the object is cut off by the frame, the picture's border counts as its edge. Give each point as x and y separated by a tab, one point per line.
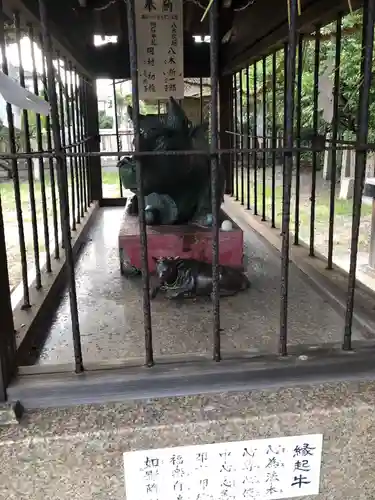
7	334
95	166
225	121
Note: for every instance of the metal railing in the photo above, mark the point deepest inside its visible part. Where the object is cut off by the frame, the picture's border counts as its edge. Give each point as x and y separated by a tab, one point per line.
57	205
249	178
72	173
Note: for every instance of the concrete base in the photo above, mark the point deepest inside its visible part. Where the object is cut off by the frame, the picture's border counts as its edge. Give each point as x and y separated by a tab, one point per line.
185	241
78	453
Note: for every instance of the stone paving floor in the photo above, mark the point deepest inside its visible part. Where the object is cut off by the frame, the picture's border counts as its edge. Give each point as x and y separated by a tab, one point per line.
111	318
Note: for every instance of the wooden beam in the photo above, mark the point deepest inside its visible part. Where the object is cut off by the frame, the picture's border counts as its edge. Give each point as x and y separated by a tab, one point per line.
264	27
112	60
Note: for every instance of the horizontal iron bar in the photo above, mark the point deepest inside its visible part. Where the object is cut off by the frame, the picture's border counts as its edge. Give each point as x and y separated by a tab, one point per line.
43	154
301	367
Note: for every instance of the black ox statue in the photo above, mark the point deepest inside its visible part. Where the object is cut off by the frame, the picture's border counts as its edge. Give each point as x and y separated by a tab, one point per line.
177	188
188	278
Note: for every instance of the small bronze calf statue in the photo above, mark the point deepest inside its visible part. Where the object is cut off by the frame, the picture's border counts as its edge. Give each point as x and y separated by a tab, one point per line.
189	278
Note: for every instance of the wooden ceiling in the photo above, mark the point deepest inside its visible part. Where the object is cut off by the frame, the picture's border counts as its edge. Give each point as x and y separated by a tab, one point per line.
251	27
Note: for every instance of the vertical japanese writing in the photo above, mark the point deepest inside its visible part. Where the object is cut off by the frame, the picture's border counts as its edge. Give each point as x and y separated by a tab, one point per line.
269	469
151	473
302	467
178	475
170	62
227	470
250	468
274	464
160	48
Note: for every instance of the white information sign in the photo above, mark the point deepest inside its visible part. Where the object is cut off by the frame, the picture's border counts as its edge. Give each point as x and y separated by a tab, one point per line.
160	45
283	467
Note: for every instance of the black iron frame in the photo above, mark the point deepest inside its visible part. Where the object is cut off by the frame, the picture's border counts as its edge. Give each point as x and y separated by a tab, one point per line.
81	149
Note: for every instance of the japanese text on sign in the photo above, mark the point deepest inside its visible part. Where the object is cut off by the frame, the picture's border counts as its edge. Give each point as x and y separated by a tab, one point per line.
160	49
262	469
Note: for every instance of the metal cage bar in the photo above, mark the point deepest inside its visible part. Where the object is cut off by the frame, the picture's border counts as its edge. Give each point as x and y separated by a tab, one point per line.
29	161
72	161
214	66
15	174
335	123
248	142
39	137
235	132
51	162
255	140
74	141
264	138
287	186
316	155
242	198
63	188
140	195
118	140
360	160
298	138
274	139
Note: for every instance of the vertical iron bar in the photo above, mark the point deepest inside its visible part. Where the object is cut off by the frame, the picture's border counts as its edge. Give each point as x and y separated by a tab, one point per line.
235	131
118	141
316	155
8	363
335	124
287	186
29	161
158	113
61	100
78	149
15	175
248	138
201	97
60	104
63	188
214	66
70	141
255	142
51	165
83	144
284	107
140	193
74	140
242	199
85	120
360	163
233	135
298	134
265	140
274	140
39	139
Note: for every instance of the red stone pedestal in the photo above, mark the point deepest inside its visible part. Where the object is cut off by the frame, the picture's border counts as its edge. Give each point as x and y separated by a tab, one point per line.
187	241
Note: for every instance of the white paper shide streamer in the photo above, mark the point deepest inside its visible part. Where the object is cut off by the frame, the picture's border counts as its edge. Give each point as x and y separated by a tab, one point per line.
16	95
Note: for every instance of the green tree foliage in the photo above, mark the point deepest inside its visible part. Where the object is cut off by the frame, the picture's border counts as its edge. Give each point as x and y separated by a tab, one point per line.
105	121
350	71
